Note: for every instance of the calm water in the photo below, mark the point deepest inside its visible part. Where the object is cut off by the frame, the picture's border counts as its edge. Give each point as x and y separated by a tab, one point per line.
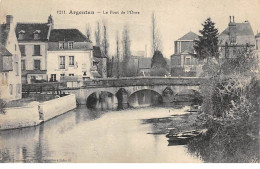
84	135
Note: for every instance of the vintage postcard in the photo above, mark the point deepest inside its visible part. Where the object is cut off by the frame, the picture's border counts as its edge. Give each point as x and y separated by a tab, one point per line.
129	81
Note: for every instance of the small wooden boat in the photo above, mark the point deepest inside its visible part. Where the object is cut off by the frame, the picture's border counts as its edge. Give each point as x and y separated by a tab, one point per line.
182	137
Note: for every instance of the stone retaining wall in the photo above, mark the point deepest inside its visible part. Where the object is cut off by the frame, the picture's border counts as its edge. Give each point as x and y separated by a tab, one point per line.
18	117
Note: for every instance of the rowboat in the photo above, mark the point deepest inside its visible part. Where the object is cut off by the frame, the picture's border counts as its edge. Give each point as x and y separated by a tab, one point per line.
183	137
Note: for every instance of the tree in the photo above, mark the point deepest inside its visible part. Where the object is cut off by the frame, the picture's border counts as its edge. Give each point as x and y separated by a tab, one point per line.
105	43
207	45
88	32
158	60
98	35
159	65
156	41
117	54
126	43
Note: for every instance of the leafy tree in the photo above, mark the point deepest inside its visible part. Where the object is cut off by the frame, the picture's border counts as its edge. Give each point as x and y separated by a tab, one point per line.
158	60
207	45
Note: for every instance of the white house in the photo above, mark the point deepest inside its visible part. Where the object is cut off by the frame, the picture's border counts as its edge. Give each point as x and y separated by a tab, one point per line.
69	56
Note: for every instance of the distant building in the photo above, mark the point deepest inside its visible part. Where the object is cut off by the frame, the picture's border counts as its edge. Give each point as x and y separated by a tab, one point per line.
69	56
10	62
33	43
236	37
183	62
144	66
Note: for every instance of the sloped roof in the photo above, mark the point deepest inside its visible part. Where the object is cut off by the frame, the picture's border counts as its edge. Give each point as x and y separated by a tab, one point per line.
4	51
189	36
67	35
97	52
3	34
244	34
145	63
29	30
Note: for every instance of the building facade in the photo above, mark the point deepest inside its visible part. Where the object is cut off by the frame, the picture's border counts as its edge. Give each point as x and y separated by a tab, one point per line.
183	62
10	62
236	38
33	43
69	56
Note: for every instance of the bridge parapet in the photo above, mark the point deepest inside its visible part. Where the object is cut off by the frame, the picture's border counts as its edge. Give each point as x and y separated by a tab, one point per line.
143	81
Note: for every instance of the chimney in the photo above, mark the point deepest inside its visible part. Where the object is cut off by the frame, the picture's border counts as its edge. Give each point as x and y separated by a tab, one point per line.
229	18
50	22
232	30
9	21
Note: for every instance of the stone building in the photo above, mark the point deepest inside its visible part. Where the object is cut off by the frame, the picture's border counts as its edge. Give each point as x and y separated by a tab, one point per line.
183	62
237	37
33	43
69	56
10	62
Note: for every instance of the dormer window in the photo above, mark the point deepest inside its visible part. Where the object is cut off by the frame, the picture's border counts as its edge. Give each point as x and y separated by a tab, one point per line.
36	34
70	44
61	45
21	35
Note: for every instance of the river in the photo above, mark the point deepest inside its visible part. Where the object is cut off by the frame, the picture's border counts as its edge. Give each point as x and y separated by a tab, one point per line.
85	135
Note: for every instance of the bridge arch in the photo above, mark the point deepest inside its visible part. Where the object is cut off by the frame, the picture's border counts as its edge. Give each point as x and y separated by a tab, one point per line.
103	100
144	97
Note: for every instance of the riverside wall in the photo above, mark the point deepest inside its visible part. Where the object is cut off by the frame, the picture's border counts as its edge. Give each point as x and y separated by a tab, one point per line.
33	115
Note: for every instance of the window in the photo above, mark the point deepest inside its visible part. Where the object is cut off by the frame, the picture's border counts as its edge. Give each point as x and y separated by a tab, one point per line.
21	36
37	64
22	50
61	45
37	50
11	89
62	76
15	47
71	60
23	64
4	78
70	44
18	88
62	62
71	74
17	68
53	78
36	36
187	61
84	73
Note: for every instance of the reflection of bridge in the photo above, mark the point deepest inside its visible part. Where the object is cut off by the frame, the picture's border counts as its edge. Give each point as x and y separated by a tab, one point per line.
122	88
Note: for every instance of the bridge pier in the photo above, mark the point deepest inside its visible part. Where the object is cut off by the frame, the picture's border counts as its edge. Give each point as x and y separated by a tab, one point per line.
122	97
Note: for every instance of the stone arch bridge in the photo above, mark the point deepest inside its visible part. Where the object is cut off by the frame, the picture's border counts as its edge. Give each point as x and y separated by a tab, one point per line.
124	87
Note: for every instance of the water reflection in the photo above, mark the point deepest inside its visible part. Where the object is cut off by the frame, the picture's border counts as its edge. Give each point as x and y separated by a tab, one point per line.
85	135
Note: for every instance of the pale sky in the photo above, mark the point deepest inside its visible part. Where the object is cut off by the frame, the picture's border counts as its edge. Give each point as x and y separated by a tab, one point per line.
174	17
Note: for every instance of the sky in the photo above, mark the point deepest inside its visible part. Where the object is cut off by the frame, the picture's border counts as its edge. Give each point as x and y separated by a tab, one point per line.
174	17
